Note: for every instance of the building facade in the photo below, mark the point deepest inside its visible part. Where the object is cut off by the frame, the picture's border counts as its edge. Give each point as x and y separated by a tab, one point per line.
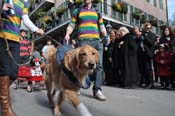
54	15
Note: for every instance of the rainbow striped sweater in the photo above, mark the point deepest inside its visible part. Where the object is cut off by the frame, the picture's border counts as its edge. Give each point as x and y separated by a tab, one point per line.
88	23
11	24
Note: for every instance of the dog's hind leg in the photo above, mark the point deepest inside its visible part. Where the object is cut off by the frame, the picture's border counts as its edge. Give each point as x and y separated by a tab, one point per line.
74	99
58	104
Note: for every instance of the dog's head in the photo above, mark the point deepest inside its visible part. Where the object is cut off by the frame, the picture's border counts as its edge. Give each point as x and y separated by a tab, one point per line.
50	54
85	57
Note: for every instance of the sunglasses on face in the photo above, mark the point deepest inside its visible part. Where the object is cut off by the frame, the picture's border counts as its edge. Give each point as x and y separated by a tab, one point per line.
148	28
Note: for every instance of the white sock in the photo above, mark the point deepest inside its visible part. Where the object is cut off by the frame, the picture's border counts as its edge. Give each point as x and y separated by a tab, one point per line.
83	110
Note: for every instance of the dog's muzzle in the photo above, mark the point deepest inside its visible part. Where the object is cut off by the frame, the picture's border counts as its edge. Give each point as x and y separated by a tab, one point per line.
91	65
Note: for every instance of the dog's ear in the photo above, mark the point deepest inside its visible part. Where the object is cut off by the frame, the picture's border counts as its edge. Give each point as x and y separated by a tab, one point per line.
77	58
71	59
96	56
67	60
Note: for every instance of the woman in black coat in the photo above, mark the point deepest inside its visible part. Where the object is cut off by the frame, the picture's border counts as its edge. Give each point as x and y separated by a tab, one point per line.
168	38
128	54
116	59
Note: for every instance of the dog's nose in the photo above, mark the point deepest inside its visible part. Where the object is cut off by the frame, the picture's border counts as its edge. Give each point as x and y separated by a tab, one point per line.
91	64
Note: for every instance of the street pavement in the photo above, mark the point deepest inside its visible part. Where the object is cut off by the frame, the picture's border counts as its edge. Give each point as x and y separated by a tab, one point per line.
120	102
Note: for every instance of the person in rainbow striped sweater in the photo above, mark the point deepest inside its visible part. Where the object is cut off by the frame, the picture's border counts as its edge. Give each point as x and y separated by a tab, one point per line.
90	24
13	12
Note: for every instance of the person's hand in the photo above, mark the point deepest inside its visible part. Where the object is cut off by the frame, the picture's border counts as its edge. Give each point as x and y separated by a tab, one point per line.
110	60
120	44
108	40
39	31
162	61
7	6
158	40
66	38
156	51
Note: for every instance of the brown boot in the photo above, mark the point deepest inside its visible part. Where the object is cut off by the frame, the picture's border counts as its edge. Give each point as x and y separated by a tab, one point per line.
6	109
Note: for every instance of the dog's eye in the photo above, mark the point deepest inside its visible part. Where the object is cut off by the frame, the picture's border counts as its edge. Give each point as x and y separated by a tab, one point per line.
93	53
83	54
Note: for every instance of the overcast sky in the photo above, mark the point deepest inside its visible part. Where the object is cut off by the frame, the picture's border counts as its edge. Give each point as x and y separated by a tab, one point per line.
171	8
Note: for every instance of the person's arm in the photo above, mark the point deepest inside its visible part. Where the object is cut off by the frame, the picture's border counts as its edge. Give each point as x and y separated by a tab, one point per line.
71	25
101	25
27	22
103	29
69	29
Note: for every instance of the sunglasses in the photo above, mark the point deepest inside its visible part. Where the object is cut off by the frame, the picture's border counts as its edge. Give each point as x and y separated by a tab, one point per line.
148	28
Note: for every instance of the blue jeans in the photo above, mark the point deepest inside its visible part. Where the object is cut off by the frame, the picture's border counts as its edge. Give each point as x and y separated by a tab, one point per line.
96	77
7	66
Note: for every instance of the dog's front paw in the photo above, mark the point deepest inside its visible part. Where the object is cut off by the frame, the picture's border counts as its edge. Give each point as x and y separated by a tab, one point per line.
57	111
83	110
57	114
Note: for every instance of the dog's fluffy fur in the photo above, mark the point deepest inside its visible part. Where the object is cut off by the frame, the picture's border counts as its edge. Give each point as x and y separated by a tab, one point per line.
80	61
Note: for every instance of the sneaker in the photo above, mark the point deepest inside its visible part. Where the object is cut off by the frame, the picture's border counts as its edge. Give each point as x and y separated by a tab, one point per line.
99	95
167	87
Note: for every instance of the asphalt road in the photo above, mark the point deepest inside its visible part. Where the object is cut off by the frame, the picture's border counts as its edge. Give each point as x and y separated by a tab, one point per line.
120	102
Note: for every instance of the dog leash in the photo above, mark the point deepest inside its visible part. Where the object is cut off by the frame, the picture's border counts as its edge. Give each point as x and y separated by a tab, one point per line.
51	38
71	77
12	57
32	49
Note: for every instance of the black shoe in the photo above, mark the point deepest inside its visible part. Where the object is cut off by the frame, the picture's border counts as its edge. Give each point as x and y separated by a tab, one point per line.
150	86
108	84
167	87
172	86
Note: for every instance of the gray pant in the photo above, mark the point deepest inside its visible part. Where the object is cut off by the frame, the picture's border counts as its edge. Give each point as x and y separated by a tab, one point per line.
96	77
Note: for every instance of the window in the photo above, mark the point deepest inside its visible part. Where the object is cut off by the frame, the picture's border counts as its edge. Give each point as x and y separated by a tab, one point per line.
120	16
113	11
161	4
125	17
155	3
150	17
105	7
131	17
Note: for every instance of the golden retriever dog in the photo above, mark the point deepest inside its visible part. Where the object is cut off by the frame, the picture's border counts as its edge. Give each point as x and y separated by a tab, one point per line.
80	62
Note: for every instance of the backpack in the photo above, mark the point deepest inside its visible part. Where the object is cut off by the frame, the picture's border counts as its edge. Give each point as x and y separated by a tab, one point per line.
61	51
